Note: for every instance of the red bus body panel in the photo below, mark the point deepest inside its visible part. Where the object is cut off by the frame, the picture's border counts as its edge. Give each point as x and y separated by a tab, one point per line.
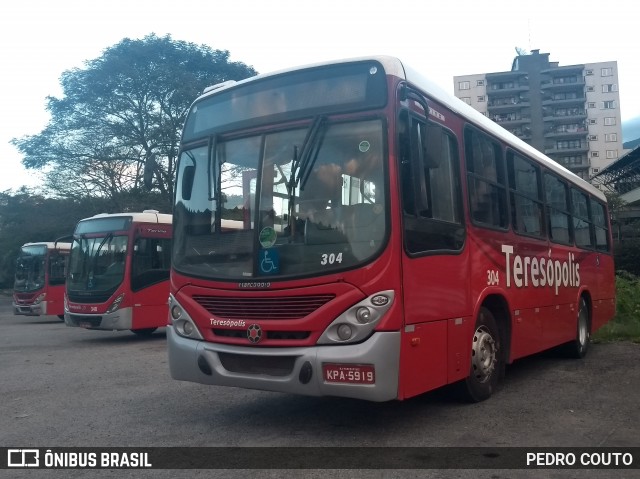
437	295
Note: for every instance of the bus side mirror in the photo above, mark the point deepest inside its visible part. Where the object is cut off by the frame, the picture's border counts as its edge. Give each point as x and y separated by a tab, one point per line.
187	182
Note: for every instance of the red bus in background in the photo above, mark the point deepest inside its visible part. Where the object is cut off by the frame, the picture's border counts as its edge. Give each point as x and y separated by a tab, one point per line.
38	288
350	229
119	272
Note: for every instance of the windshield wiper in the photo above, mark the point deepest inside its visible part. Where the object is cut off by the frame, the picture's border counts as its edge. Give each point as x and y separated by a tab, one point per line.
310	149
302	163
94	260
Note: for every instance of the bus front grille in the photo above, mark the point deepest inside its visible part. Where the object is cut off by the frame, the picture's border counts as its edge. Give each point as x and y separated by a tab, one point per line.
257	308
276	335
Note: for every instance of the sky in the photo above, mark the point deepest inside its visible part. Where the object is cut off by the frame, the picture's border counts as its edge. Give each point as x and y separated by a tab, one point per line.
41	39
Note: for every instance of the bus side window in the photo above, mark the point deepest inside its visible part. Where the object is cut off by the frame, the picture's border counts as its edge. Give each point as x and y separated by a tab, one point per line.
151	262
557	204
441	173
486	180
601	226
406	176
582	227
430	188
525	196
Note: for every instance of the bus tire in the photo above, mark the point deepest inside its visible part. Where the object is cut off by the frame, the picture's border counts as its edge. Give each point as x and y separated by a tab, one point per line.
486	359
578	347
61	316
143	332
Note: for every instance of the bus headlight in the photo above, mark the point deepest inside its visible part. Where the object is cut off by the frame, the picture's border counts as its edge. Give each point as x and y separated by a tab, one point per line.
359	321
182	323
116	304
40	298
363	315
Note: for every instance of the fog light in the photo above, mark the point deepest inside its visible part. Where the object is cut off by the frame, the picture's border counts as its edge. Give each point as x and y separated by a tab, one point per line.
344	332
187	327
176	312
363	315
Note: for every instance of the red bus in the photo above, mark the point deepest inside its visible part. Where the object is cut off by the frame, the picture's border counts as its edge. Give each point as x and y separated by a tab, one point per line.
119	272
39	280
350	229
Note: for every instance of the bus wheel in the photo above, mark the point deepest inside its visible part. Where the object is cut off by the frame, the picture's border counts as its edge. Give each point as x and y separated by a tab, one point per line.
486	359
61	316
143	332
580	345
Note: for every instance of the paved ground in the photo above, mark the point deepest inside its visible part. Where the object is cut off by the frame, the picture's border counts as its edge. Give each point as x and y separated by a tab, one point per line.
62	386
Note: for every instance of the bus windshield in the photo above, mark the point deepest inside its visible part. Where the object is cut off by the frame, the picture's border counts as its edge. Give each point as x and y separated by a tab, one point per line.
30	269
295	202
97	263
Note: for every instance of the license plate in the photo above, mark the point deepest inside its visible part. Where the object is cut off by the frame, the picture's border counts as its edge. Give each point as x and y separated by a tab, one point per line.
349	373
84	325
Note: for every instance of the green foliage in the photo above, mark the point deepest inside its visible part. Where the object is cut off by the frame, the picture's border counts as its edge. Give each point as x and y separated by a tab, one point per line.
122	112
626	324
627	256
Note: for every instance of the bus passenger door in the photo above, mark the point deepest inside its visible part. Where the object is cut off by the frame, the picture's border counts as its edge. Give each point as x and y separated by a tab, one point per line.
435	272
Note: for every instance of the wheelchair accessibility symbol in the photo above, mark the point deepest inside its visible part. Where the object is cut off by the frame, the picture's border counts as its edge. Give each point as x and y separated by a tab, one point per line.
269	261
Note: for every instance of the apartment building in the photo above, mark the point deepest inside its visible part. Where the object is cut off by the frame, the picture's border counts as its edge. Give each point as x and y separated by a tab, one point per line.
571	113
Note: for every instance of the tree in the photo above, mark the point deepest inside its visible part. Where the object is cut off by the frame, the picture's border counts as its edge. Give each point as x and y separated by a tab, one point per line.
123	112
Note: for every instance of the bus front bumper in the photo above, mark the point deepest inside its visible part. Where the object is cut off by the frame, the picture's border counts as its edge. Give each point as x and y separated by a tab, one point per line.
293	370
119	320
30	309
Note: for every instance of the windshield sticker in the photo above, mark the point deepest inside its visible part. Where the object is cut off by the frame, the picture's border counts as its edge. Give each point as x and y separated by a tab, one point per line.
268	237
364	146
269	261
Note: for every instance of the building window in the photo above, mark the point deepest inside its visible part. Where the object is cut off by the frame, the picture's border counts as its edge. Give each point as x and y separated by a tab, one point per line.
590	88
568	144
588	72
606	72
466	99
612	154
593	137
464	85
593	121
481	98
611	137
573	160
610	120
608	105
595	154
591	105
480	83
609	87
595	170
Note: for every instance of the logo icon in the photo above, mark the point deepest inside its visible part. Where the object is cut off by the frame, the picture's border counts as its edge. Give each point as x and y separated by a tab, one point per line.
254	333
23	457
